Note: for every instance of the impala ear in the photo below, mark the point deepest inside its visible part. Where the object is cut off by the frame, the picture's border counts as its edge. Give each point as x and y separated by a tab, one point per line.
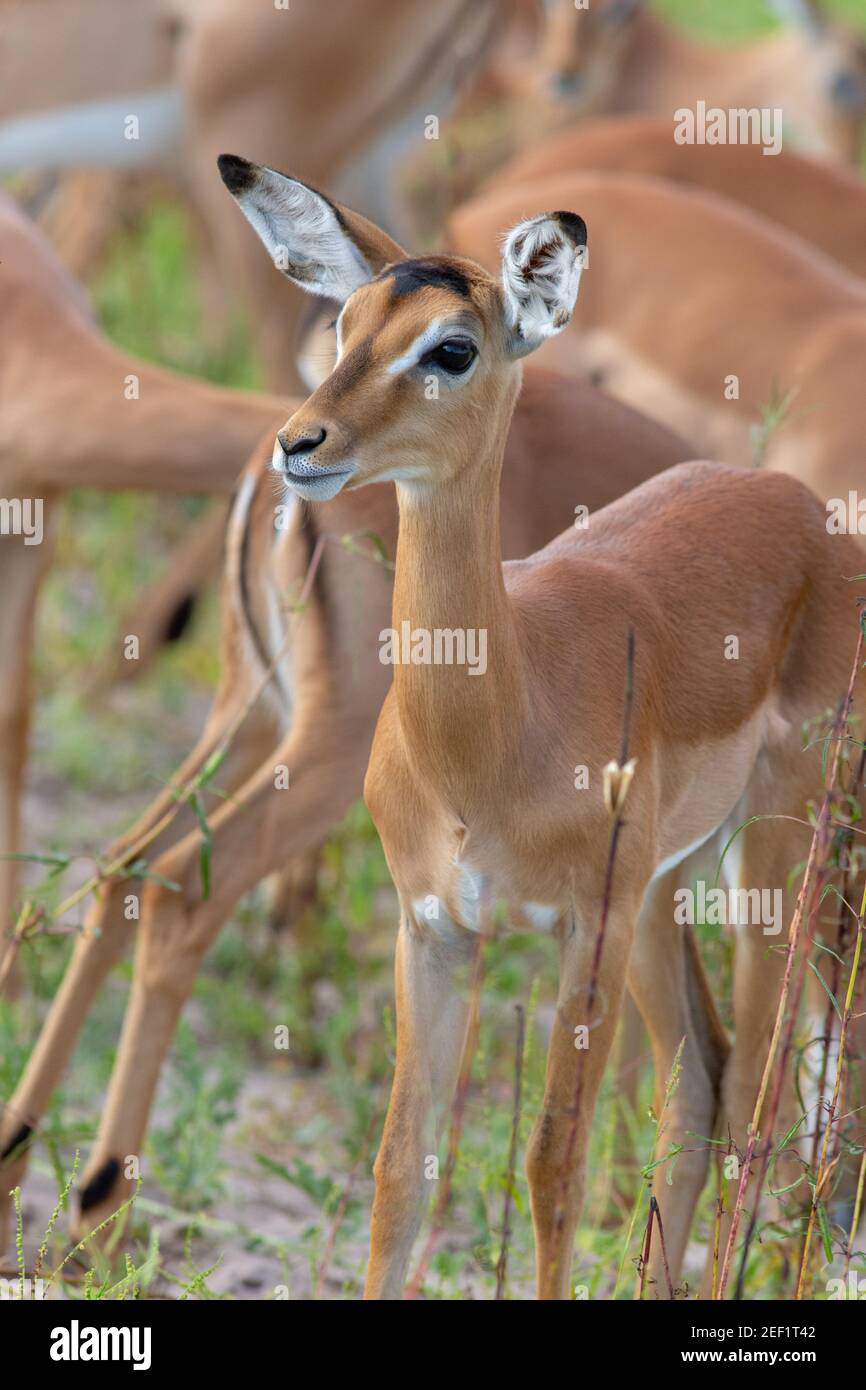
324	248
542	261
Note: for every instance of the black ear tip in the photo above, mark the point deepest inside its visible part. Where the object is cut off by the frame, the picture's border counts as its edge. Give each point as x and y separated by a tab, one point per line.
573	226
237	174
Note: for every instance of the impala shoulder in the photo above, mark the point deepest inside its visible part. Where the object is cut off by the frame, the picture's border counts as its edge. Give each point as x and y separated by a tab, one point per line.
387	771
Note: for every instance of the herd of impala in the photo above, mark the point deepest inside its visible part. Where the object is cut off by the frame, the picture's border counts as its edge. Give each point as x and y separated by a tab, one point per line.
699	405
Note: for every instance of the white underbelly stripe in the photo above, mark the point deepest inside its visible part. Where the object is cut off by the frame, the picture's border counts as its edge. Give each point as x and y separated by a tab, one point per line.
678	857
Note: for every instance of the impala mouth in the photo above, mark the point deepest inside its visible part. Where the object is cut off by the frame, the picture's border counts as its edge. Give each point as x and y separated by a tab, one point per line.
314	482
318	486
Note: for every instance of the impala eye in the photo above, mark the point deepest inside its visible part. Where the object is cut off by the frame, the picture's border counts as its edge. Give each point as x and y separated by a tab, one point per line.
454	356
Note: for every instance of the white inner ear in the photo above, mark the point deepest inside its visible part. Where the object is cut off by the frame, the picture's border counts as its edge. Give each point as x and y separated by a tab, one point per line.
303	235
541	271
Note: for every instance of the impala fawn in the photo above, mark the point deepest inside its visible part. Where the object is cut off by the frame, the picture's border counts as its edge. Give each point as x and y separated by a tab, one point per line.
316	717
470	781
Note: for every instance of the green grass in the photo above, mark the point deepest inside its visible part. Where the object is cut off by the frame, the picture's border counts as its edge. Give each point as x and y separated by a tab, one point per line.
730	20
149	302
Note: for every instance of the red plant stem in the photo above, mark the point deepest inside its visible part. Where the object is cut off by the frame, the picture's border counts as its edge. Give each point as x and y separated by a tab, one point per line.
571	1142
654	1204
793	943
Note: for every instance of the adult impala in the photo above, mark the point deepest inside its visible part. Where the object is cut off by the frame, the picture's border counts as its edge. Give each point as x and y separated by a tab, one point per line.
786	188
618	56
317	718
471	780
623	56
709	318
76	411
336	91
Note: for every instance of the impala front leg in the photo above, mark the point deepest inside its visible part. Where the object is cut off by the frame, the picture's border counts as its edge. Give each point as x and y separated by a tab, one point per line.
432	1015
106	935
579	1048
176	928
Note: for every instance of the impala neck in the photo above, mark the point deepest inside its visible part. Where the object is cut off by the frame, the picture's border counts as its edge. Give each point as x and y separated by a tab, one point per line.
456	717
176	435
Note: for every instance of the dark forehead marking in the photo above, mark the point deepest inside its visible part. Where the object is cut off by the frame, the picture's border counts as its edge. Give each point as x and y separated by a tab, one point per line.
409	276
348	369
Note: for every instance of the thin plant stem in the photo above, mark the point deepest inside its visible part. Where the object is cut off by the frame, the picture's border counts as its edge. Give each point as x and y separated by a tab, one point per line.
342	1205
502	1262
592	986
823	1171
855	1217
839	726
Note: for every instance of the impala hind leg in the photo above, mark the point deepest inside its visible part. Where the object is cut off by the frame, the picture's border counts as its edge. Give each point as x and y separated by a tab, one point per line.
668	984
22	569
293	892
431	971
295	914
556	1157
249	837
104	940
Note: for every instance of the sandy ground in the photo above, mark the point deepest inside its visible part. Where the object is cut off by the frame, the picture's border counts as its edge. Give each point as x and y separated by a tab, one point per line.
256	1235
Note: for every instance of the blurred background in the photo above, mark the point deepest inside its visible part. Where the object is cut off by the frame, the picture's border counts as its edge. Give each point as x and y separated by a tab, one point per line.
250	1150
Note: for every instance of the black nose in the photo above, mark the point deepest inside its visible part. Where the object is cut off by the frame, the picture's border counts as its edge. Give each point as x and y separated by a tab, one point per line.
305	445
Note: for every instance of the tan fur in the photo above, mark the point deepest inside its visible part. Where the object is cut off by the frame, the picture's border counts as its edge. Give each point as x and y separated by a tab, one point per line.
247	89
685	289
470	781
581	63
325	100
823	203
65	422
569	446
59	52
649	65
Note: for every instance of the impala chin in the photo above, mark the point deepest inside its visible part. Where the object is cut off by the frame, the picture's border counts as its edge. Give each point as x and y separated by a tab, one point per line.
315	484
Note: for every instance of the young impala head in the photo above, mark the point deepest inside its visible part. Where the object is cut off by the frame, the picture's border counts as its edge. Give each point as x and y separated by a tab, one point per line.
834	54
581	50
427	349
